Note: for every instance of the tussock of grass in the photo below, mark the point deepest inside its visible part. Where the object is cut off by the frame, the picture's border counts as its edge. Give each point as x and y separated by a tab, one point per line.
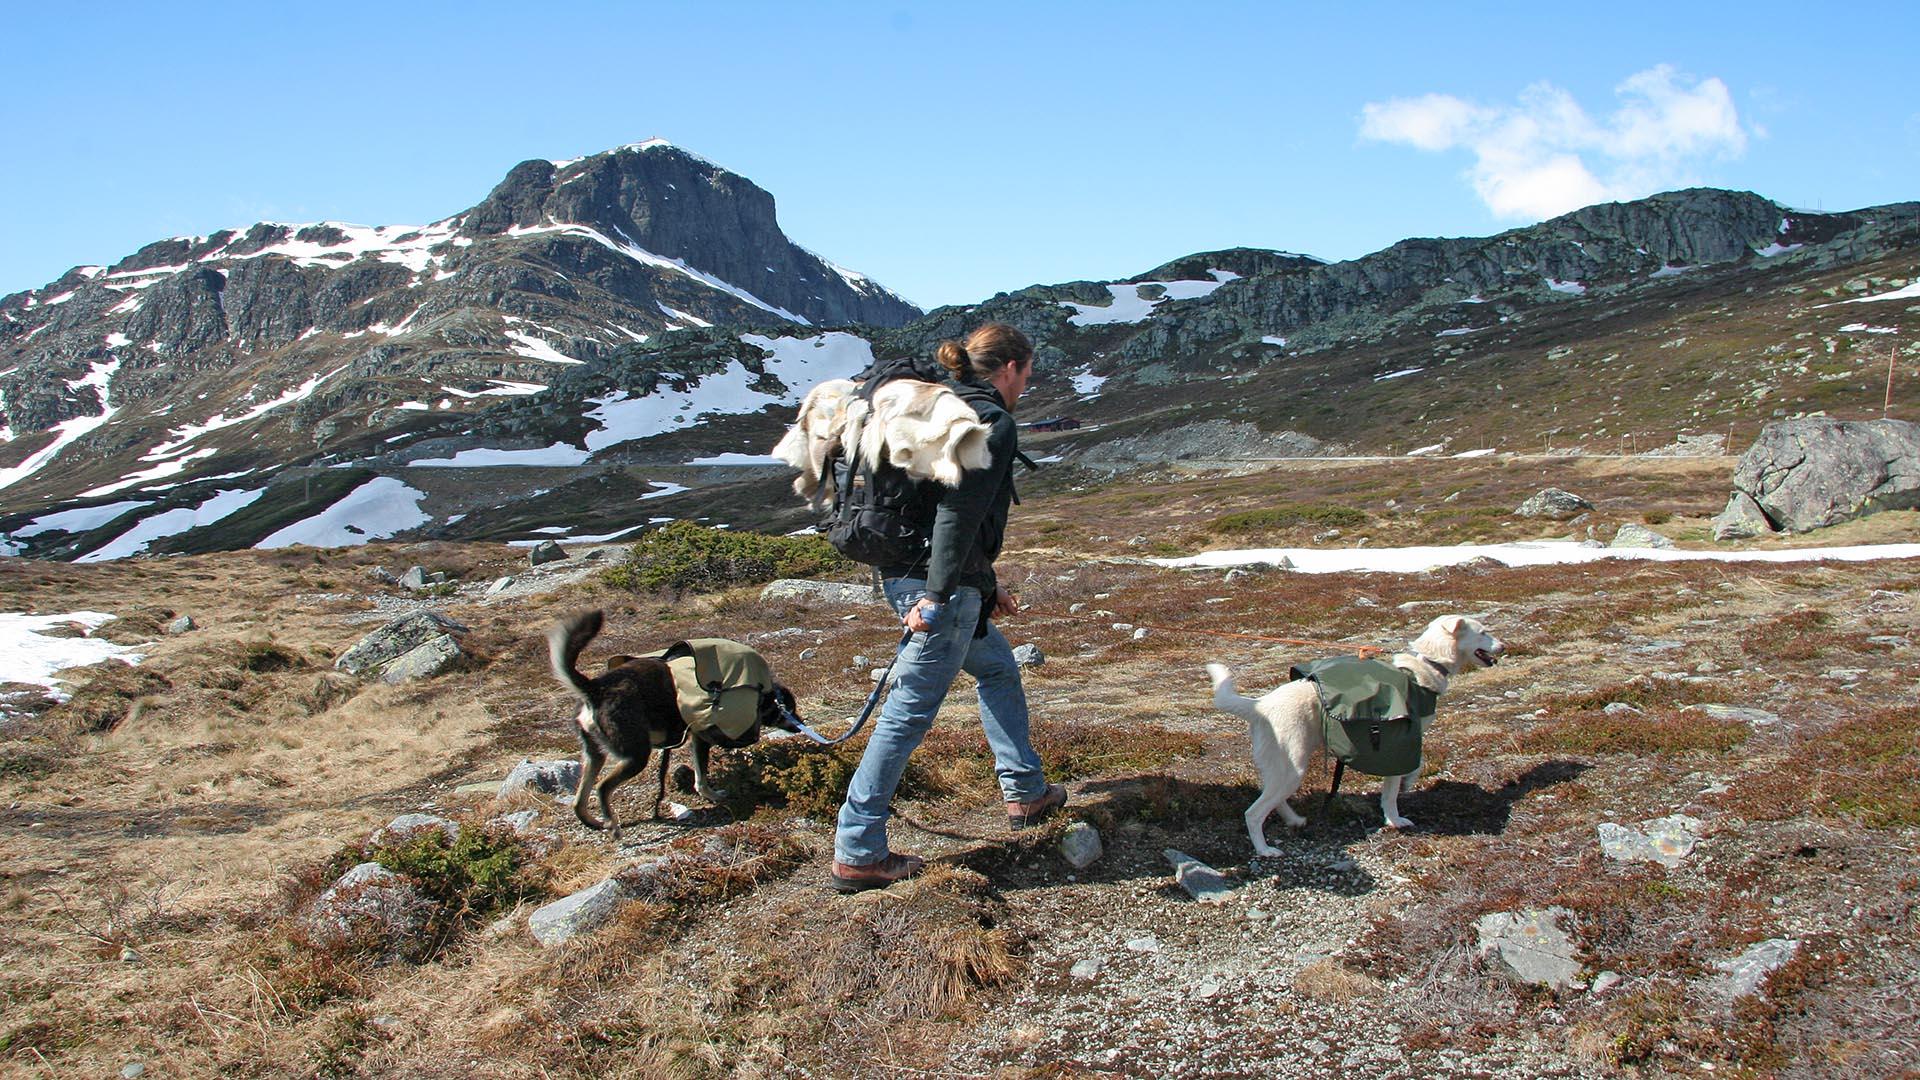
918	951
686	556
107	695
1287	516
1661	732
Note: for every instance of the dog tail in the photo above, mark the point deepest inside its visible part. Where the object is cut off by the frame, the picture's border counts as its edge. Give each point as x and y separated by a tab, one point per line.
565	642
1226	697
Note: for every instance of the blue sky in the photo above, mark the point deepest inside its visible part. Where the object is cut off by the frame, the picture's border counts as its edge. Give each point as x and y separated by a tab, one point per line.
950	151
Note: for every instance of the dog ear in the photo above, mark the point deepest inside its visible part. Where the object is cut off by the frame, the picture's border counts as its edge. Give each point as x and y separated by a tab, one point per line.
618	661
1451	623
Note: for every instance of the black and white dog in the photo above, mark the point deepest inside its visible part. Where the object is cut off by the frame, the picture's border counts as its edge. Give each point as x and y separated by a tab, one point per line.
627	711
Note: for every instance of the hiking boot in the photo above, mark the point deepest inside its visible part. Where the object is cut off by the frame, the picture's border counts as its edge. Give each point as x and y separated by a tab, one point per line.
1021	815
847	878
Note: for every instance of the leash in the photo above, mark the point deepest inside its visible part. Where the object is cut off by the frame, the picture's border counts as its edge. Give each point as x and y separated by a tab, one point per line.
1345	646
873	699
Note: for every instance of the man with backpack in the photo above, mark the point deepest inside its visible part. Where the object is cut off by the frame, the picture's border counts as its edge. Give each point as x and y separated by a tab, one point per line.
945	596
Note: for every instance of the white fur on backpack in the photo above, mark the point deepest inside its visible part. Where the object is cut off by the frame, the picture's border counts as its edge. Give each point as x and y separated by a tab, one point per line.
921	428
814	436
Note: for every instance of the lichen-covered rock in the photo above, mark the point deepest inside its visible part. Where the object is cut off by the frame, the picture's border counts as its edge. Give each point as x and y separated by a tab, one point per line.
1080	845
396	639
1638	536
1532	946
431	657
1553	503
1810	473
369	906
825	592
407	826
582	912
559	777
1741	520
1667	841
546	551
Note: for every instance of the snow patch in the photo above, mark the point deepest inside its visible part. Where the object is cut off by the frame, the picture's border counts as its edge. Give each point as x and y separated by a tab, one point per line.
1129	307
1529	553
28	656
172	522
375	510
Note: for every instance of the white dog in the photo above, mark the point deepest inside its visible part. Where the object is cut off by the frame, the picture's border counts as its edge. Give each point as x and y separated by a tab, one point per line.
1286	724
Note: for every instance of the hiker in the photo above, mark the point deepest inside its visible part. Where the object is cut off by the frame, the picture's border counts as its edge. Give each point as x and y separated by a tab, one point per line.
947	607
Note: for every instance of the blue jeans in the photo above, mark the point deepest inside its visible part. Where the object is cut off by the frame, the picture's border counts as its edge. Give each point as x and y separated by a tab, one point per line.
923	671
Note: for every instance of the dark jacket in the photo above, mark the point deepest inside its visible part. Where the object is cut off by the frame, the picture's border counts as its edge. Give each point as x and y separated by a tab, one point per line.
969	521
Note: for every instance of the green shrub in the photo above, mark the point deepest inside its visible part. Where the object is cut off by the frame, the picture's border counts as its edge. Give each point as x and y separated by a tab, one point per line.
1287	515
468	878
685	556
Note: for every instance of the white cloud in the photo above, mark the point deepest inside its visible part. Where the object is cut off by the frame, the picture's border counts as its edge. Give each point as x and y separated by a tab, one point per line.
1544	155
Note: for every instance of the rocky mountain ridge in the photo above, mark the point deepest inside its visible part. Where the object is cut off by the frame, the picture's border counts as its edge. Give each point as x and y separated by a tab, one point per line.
1421	341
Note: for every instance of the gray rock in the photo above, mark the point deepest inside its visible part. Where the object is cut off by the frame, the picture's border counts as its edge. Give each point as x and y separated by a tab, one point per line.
1531	945
1553	503
1810	473
396	639
1029	655
1741	520
415	578
433	657
1144	944
1631	535
1201	881
1667	841
1139	633
407	826
560	777
808	654
1086	968
819	592
1753	717
1080	845
132	1070
501	585
583	912
1604	982
519	823
368	903
182	625
546	551
383	575
1742	975
1618	708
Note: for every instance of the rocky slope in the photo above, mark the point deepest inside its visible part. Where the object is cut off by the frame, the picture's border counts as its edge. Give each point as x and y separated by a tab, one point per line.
1617	328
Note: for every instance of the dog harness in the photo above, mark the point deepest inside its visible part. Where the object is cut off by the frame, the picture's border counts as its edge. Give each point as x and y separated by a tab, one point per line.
721	685
1372	713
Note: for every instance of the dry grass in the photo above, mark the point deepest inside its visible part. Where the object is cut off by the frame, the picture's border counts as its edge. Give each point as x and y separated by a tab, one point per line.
163	817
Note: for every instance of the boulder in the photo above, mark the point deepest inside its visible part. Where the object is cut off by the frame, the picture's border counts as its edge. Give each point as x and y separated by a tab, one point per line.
819	592
500	585
583	912
1667	841
546	551
1810	473
1741	520
1029	655
431	657
415	578
396	639
1531	945
383	575
1639	536
182	625
559	777
1553	503
368	904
